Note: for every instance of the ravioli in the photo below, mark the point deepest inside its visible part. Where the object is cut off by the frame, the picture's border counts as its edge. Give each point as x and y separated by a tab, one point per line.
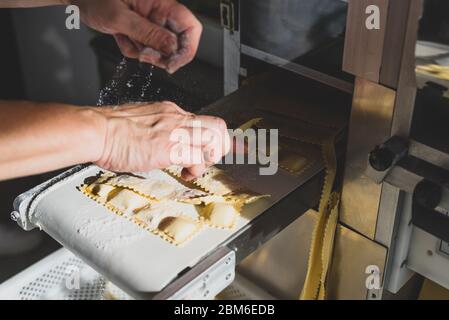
148	214
292	161
168	207
213	180
217	183
157	211
178	229
127	201
157	188
221	215
102	191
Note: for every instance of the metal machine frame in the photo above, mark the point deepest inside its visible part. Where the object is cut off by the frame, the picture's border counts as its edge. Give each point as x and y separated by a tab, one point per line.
374	211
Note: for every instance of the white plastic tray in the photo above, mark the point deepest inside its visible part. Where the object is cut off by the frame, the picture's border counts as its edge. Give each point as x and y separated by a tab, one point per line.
59	276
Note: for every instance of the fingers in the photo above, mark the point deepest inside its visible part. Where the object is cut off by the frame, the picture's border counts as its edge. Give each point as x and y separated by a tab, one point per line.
208	141
148	40
239	147
147	33
151	56
182	21
127	47
185	55
135	50
209	135
186	156
149	136
192	172
217	126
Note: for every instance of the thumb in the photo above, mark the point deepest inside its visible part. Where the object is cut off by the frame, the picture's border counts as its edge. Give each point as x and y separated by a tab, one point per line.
142	30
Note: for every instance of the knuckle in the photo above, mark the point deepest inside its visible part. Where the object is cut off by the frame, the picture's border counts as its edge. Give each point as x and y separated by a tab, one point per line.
221	124
187	119
170	106
157	36
199	25
148	34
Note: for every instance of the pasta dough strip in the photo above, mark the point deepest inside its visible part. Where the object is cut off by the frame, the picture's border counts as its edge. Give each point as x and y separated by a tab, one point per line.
321	248
320	255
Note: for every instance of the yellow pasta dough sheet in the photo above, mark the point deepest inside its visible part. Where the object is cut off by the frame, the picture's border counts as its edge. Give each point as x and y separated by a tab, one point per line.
295	151
296	156
297	145
167	207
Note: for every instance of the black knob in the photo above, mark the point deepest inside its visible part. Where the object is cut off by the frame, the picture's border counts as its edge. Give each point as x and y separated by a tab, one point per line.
381	158
428	194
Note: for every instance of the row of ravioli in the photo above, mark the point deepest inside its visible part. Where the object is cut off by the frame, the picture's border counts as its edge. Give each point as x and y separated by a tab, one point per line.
168	207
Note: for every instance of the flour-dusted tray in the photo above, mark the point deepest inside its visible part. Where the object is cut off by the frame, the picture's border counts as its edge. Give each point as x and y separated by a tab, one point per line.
127	255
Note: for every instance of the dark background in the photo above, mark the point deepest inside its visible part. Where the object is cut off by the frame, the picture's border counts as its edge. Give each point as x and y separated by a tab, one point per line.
34	245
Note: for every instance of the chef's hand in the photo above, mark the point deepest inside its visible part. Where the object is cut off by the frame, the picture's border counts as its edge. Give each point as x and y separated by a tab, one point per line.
143	137
161	32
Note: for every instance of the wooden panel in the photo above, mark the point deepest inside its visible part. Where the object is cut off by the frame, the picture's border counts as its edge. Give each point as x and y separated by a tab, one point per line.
395	35
406	92
364	47
370	125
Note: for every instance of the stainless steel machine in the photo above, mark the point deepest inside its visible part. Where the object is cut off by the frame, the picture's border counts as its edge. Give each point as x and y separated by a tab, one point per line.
317	58
393	217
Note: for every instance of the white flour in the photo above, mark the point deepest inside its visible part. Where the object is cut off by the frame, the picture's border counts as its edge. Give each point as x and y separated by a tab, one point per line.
110	233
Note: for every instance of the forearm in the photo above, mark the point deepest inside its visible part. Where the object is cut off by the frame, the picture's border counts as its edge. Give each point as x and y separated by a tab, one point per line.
36	138
30	3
